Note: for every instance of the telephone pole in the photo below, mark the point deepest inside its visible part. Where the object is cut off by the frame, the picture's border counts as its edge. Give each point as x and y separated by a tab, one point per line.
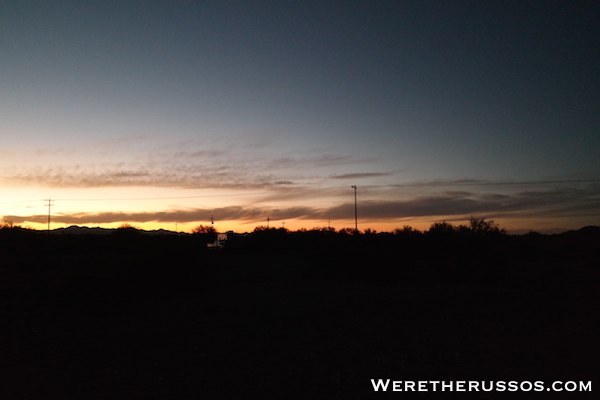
49	201
355	210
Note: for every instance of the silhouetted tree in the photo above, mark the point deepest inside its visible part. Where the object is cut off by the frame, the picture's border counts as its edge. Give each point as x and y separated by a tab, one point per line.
323	229
6	224
202	229
441	228
347	231
263	229
125	225
407	231
481	227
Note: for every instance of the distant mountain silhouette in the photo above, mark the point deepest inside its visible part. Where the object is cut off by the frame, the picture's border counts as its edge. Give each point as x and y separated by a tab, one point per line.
586	230
84	230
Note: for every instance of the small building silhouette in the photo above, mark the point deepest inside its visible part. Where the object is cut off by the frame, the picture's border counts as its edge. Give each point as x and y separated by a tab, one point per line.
221	240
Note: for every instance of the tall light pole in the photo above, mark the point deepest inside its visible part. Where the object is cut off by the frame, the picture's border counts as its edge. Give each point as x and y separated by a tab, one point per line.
50	201
355	210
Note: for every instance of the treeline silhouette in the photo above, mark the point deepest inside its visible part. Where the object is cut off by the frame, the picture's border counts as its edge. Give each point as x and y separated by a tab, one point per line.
129	314
478	251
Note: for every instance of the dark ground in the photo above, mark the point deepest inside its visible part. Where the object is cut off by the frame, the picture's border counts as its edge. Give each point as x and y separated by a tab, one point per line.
125	317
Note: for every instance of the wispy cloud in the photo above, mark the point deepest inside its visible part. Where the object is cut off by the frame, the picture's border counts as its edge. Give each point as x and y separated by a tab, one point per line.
187	215
478	182
236	174
361	175
177	176
241	167
565	202
302	183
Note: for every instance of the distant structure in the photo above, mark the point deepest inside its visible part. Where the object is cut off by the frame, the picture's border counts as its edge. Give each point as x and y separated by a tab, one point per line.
355	209
221	240
50	201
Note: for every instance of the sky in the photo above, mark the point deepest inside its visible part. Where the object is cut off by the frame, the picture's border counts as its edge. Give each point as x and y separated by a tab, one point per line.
165	114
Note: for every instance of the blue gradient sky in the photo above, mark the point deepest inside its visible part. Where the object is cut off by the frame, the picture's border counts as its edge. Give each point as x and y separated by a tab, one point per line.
164	112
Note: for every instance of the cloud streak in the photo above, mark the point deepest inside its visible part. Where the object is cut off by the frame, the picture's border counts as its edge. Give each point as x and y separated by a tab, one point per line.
302	183
188	169
565	202
478	182
361	175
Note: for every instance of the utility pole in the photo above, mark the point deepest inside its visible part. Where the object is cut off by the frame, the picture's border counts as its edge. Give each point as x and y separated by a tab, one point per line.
268	220
49	201
355	210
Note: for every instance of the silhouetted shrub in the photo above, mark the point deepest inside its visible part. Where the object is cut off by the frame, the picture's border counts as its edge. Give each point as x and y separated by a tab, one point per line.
347	231
442	228
481	227
203	229
407	231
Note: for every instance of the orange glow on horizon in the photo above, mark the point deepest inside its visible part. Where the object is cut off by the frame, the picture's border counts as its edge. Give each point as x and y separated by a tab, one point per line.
519	226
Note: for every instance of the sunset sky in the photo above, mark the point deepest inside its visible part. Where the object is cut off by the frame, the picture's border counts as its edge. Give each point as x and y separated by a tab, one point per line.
162	114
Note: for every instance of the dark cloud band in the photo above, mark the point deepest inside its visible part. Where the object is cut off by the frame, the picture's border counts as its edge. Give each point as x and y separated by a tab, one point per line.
566	202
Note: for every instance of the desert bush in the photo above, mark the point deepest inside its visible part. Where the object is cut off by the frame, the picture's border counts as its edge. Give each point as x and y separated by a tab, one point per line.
6	224
481	227
322	229
407	231
441	228
202	229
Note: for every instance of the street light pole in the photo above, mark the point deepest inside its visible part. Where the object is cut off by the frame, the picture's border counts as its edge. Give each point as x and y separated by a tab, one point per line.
50	201
355	210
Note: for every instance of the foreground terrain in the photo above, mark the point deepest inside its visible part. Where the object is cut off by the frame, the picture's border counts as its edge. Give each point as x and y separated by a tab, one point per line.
125	316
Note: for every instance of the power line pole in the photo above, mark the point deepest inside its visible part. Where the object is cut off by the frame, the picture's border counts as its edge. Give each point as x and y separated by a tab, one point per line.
355	210
49	201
